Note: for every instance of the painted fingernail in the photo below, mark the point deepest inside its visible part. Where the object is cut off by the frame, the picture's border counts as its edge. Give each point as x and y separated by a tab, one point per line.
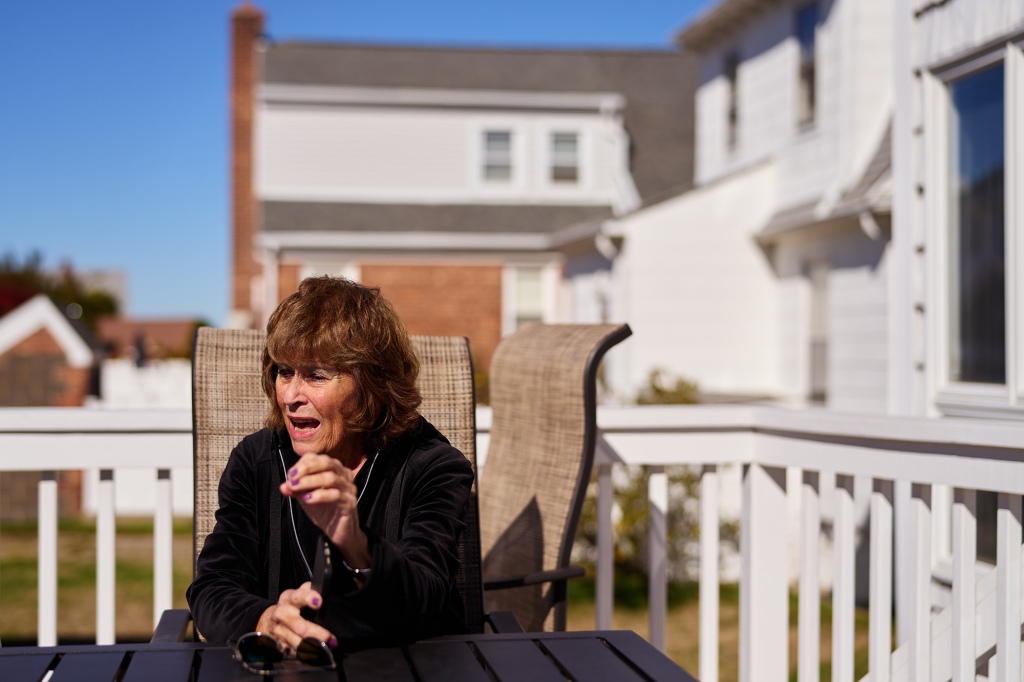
293	472
333	643
307	497
316	601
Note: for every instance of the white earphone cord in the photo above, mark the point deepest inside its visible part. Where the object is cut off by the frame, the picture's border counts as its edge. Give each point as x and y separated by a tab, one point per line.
291	508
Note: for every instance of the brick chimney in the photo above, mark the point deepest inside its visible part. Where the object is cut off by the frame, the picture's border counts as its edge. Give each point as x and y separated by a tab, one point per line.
246	30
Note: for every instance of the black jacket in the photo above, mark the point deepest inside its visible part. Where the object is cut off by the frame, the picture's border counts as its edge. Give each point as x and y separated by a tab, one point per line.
412	512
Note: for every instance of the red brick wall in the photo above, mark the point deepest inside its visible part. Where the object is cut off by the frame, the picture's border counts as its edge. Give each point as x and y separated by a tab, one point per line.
449	300
35	373
287	281
246	28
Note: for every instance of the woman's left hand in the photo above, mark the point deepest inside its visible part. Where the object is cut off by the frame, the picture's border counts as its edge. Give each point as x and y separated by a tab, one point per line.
327	492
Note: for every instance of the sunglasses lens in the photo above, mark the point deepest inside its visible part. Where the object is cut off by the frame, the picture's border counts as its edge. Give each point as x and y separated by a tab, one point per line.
315	653
258	652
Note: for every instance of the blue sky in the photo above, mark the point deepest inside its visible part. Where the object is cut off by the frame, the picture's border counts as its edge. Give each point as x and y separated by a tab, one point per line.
114	120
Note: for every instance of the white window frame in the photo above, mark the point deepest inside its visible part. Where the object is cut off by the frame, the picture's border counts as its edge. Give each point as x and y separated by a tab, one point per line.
953	398
549	157
519	158
584	158
550	278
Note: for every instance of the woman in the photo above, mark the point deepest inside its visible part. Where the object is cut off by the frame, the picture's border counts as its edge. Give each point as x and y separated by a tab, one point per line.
345	456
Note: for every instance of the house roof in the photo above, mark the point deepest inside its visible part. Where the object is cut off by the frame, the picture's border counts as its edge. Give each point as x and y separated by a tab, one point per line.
162	337
717	22
289	216
39	313
871	192
658	87
458	228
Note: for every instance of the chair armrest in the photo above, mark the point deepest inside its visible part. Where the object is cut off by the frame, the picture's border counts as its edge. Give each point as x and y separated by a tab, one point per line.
503	621
552	576
172	627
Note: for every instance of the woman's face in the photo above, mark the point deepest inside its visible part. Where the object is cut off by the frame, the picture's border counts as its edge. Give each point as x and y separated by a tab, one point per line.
314	402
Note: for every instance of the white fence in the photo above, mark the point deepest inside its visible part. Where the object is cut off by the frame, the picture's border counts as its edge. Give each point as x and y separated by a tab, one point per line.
59	439
910	464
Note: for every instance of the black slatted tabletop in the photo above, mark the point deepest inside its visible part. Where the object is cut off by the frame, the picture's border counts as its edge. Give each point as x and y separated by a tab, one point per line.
537	657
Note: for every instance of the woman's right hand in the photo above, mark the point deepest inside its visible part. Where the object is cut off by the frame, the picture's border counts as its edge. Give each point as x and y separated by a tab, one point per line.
284	619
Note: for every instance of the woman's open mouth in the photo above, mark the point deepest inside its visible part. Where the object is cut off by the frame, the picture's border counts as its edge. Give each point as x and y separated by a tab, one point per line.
302	427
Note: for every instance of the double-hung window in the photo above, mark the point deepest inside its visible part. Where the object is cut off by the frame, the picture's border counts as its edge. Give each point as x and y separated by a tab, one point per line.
565	158
497	156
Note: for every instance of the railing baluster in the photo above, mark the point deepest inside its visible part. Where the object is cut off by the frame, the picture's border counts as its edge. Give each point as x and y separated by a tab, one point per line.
47	561
809	615
163	545
764	593
709	523
843	586
657	496
105	558
880	582
965	539
920	582
1008	566
605	565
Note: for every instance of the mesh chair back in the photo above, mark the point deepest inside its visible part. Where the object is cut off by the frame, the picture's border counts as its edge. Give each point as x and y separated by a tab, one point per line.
228	403
543	434
449	403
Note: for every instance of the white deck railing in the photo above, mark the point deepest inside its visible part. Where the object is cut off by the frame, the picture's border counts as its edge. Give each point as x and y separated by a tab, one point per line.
909	462
60	439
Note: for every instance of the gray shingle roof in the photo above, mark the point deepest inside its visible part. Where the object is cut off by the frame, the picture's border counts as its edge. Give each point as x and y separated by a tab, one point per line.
658	86
287	216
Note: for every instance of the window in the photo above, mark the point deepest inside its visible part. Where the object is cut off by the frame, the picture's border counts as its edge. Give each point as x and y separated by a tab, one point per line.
977	282
806	28
565	161
817	275
497	158
526	295
529	306
732	64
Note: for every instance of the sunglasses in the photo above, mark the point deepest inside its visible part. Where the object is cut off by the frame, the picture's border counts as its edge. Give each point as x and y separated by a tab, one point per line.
263	654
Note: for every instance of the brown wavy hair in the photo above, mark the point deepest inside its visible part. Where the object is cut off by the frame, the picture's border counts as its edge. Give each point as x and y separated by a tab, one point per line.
338	324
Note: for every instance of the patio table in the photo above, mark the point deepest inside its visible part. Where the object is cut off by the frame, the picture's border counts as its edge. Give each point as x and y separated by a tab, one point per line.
618	655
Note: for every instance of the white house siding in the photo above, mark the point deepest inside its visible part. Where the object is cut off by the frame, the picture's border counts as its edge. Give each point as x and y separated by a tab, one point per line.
586	290
794	331
854	58
808	166
948	29
336	153
765	93
810	157
856	320
854	66
858	333
871	80
698	291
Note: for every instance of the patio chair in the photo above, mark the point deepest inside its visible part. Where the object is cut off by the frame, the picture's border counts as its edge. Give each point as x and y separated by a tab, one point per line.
543	385
229	403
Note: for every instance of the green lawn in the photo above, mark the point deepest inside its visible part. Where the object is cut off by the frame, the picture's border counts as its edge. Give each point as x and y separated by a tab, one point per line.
76	579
